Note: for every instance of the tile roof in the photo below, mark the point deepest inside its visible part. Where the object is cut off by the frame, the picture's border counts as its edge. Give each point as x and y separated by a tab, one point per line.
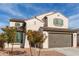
58	29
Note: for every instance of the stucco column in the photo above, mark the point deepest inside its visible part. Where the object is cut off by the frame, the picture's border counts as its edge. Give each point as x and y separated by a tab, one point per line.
74	39
45	44
26	43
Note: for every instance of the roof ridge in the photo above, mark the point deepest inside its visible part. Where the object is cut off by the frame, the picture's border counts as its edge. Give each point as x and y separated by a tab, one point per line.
47	13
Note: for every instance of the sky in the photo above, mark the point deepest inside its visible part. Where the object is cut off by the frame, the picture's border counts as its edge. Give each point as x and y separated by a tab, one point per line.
28	10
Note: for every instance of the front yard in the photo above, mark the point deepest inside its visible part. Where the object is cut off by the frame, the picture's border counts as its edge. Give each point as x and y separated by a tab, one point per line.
26	52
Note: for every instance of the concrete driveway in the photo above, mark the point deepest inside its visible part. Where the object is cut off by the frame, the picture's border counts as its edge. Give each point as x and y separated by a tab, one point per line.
68	51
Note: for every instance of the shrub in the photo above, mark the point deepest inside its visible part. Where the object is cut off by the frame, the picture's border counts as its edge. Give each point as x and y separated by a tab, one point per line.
2	44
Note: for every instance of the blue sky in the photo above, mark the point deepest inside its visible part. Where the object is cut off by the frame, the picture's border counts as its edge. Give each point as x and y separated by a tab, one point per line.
25	11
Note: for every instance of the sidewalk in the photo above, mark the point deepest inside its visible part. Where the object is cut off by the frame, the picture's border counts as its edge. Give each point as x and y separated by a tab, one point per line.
68	51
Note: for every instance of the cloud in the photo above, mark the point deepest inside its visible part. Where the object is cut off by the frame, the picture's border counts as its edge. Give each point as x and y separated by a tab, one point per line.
38	9
10	9
74	17
74	21
2	24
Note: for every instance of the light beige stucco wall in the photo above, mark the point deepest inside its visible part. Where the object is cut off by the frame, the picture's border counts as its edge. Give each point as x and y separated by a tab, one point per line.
10	45
30	25
26	43
33	24
74	39
57	15
45	44
12	24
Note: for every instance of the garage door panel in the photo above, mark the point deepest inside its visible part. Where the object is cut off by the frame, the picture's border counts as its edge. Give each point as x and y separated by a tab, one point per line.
60	40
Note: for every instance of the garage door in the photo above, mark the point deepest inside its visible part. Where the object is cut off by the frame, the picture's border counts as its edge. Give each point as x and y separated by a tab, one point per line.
60	40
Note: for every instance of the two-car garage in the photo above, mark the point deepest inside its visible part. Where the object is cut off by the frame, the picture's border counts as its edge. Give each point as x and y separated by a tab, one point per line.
59	39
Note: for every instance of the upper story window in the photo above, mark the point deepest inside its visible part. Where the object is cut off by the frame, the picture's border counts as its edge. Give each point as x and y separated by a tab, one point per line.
58	22
17	24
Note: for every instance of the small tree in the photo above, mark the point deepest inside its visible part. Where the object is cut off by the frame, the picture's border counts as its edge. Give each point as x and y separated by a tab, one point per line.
11	35
36	38
30	39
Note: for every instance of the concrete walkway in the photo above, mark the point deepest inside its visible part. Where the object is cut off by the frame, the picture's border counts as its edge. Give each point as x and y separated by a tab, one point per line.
68	51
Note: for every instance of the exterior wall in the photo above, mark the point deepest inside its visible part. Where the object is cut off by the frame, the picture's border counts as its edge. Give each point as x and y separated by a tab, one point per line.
13	24
57	15
26	43
74	39
45	44
33	24
10	45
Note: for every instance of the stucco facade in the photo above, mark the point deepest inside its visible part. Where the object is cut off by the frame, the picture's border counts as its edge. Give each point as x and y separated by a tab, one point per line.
46	20
57	15
33	24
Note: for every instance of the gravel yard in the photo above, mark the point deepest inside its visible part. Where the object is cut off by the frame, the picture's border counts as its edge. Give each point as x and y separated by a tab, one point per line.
26	52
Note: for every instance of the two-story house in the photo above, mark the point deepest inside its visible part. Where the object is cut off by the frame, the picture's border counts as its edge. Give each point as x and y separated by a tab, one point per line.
54	25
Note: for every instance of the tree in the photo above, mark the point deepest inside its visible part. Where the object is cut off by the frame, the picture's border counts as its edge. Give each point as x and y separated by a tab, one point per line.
41	41
30	39
11	35
36	39
3	38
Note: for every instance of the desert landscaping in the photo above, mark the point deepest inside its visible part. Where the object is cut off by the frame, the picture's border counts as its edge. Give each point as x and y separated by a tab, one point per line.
26	52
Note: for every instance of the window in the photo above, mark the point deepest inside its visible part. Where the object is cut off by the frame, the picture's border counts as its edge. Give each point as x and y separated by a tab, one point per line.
58	22
19	37
17	24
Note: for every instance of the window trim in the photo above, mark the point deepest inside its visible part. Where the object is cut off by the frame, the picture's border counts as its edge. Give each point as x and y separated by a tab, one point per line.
16	24
58	22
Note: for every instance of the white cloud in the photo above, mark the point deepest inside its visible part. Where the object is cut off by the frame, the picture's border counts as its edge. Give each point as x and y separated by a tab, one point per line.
40	9
2	24
76	16
8	8
74	21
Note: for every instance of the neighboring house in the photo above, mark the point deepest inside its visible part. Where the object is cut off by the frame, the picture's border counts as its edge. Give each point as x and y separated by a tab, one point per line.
53	24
